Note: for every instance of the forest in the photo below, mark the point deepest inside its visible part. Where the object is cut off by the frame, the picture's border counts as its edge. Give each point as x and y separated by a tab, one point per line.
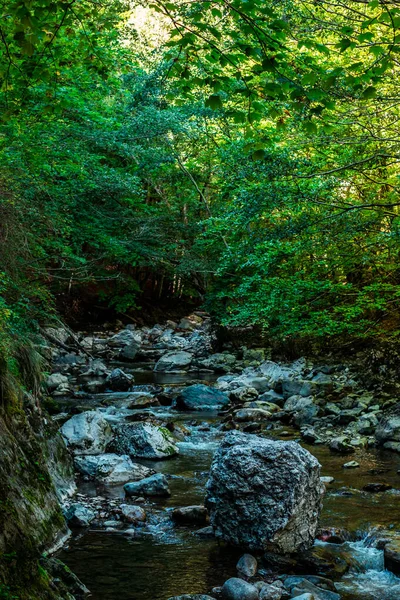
237	159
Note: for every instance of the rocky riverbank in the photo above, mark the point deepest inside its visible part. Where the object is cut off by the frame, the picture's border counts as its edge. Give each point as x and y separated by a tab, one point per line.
130	401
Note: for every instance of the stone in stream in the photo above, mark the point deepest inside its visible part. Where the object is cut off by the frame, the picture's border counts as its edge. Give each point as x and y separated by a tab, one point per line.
79	515
341	445
174	361
299	585
377	487
118	381
191	514
251	414
200	397
351	465
56	380
87	433
271	591
144	440
192	597
264	494
156	485
133	514
237	589
392	556
111	469
247	566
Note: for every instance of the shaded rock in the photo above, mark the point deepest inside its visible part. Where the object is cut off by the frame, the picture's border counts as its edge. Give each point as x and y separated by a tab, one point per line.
299	585
118	381
79	515
271	591
341	445
392	556
64	576
205	532
132	513
156	485
56	380
297	387
200	397
251	414
264	494
272	396
191	514
247	566
375	488
87	433
388	429
275	374
174	361
111	469
143	440
243	394
237	589
124	338
220	363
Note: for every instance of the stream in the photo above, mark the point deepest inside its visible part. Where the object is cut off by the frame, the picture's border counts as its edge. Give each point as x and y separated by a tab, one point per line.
163	560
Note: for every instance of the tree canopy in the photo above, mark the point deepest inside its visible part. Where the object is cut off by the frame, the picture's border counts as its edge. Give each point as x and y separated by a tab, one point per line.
242	155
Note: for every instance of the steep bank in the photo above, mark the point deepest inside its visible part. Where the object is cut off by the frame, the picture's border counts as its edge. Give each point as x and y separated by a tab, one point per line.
35	474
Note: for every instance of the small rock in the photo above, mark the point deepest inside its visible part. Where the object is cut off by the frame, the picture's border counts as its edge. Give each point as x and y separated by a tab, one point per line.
247	566
156	485
351	465
133	514
191	514
79	515
341	445
327	480
237	589
118	381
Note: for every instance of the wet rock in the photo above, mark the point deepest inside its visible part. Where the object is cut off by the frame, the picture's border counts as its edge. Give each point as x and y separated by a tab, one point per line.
237	589
174	361
341	445
298	586
271	591
144	440
275	374
191	514
310	436
200	397
388	429
247	566
351	465
392	556
124	338
63	575
260	384
56	380
111	469
132	513
156	485
295	387
304	410
79	515
272	396
243	394
375	488
87	433
220	363
192	597
205	532
264	494
118	381
251	414
327	480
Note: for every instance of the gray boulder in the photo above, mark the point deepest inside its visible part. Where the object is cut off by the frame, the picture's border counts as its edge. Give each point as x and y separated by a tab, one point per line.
297	387
200	397
388	429
264	494
124	338
87	433
79	515
156	485
237	589
118	381
271	592
144	440
111	469
174	361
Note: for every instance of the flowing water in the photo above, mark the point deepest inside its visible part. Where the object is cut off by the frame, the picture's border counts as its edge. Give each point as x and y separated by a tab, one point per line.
165	560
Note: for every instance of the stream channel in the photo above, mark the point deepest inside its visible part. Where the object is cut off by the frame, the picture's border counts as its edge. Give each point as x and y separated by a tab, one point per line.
163	559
